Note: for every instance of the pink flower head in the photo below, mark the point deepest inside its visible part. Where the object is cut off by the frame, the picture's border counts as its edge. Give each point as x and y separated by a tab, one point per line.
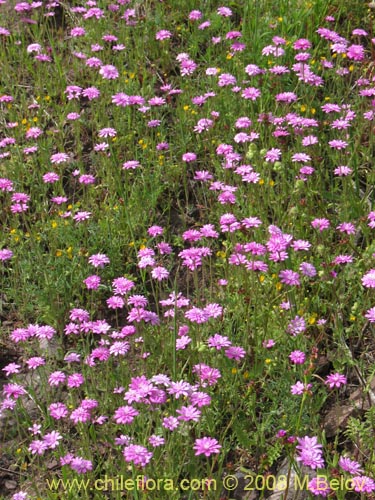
109	72
189	157
163	35
297	357
59	158
206	446
5	254
356	52
310	452
99	260
155	231
137	454
224	11
335	380
319	486
320	224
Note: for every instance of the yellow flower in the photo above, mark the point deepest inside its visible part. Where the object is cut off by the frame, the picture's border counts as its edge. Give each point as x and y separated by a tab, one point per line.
186	107
351	67
278	286
268	361
246	375
35	119
58	253
303	108
313	111
312	319
261	278
272	183
261	182
234	371
54	224
352	318
47	98
24	121
280	19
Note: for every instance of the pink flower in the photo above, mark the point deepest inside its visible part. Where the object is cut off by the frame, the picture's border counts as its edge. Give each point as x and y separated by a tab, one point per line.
80	465
363	484
356	52
319	486
115	302
160	273
368	280
235	352
99	260
52	439
343	171
109	72
189	157
78	31
163	35
251	93
56	378
289	277
35	362
288	97
224	11
338	144
58	410
125	415
189	413
272	155
297	357
130	165
121	286
38	447
370	315
137	454
310	452
350	466
206	446
75	380
335	380
320	224
59	158
81	216
299	388
5	254
92	282
11	368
